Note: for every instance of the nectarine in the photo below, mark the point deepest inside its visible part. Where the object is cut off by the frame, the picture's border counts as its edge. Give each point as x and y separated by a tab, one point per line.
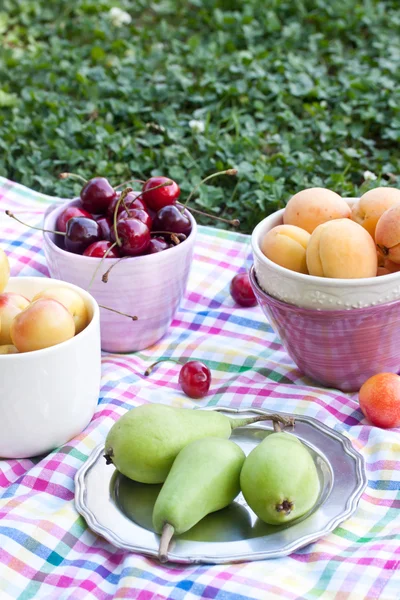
72	302
10	305
4	270
341	249
311	207
379	399
286	246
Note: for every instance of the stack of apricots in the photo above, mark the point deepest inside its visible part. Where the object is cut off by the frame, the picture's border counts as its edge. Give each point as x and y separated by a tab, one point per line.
322	235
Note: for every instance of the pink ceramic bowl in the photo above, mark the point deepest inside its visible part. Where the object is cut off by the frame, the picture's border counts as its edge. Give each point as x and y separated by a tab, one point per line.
337	348
150	287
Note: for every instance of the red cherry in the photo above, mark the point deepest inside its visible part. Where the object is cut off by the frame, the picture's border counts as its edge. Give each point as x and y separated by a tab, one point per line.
105	225
171	219
97	194
99	249
195	379
136	213
241	290
131	201
162	196
67	214
157	244
134	235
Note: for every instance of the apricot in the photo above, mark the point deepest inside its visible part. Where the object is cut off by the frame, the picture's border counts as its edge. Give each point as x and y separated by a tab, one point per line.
379	399
387	234
72	302
312	207
10	305
45	322
286	246
341	249
371	206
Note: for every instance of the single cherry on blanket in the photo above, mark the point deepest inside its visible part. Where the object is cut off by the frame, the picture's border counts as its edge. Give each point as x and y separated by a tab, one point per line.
241	291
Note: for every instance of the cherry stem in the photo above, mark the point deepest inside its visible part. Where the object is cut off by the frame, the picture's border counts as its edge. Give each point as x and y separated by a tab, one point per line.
99	265
233	222
134	318
72	176
10	214
166	537
196	187
120	200
174	236
151	367
129	181
106	274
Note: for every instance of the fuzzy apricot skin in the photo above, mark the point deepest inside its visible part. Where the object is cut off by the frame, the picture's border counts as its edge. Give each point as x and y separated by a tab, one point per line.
341	249
371	206
312	207
286	246
379	399
387	234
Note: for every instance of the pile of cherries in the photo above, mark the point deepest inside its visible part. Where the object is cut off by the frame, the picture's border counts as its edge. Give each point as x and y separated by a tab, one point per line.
111	224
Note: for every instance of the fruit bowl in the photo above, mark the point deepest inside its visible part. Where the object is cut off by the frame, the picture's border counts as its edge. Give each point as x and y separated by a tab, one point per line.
150	287
48	396
320	293
339	348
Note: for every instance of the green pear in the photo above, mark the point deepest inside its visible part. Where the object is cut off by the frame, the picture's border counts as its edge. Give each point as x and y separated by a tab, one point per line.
279	479
145	441
204	478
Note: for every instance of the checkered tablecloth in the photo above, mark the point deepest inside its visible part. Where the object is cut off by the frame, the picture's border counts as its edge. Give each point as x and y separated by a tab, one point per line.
46	549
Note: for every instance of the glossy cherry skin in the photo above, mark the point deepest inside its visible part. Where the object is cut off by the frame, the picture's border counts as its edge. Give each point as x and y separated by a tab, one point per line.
163	196
131	201
157	244
81	233
134	235
241	290
105	224
67	214
97	194
99	249
195	379
171	219
136	213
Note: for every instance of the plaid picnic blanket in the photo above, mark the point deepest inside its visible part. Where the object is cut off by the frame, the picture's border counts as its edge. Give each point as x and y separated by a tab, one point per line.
47	550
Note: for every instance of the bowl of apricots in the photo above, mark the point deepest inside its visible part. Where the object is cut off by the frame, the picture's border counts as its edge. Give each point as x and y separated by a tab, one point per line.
326	274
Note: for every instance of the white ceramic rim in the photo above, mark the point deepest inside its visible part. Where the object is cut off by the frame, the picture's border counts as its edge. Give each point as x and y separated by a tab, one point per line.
91	259
300	277
95	318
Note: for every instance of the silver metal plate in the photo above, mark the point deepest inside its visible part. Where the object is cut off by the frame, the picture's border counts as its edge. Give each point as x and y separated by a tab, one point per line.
120	510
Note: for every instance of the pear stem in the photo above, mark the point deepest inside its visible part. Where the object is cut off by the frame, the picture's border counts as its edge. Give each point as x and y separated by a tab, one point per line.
277	427
166	536
10	214
285	421
196	187
134	318
151	367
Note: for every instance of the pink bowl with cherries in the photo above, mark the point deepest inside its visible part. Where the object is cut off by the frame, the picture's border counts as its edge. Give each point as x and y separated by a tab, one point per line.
149	286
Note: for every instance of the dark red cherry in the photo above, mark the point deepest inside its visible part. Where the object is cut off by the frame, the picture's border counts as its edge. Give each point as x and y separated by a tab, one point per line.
131	200
171	219
241	290
81	233
67	214
105	224
134	235
99	249
136	213
97	194
157	244
162	196
195	379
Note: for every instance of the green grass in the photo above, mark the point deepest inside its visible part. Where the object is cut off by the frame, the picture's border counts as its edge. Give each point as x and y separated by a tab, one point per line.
293	93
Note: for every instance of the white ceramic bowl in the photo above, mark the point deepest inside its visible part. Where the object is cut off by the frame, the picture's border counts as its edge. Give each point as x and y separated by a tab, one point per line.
49	396
323	293
150	287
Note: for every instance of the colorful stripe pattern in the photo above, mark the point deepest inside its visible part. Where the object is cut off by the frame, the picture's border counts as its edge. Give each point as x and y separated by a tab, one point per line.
46	549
